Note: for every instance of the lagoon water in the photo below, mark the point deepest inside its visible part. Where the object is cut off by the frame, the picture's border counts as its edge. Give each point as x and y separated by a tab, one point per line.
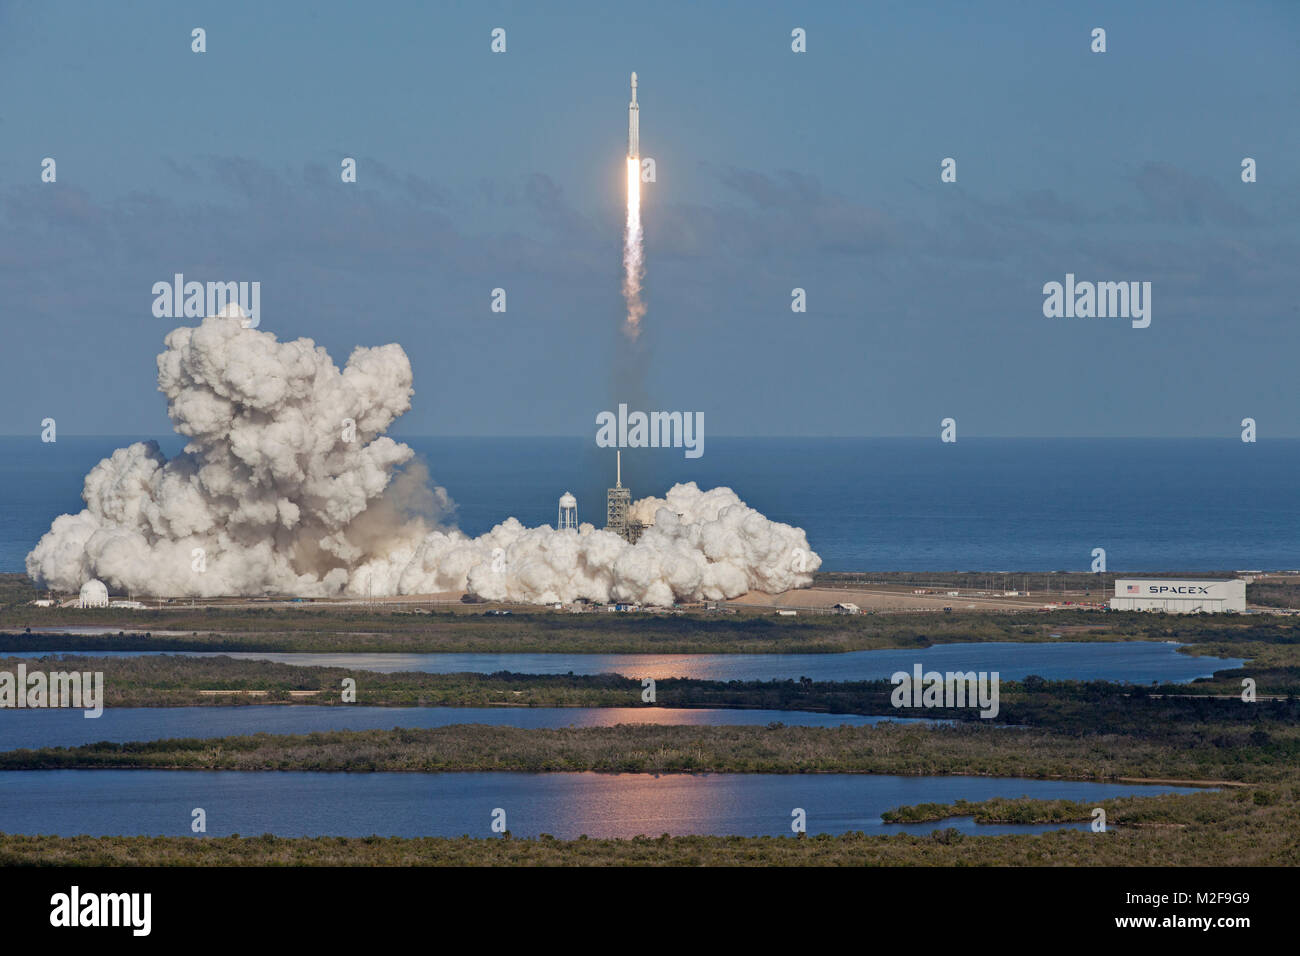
1137	662
33	728
565	805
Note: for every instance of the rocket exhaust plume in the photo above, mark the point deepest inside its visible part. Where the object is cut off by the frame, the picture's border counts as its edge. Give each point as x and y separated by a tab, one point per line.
633	252
289	485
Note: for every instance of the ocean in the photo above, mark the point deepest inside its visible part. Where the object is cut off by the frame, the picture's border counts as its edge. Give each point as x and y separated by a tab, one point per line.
867	504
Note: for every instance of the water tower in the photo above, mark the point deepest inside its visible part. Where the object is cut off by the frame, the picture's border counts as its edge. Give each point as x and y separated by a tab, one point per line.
568	512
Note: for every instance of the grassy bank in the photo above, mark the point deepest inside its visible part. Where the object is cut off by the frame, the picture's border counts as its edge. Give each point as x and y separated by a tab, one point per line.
1191	751
369	631
172	681
375	630
1164	810
177	681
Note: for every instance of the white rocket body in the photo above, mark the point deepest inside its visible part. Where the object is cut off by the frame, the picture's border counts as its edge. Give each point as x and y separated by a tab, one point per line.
633	125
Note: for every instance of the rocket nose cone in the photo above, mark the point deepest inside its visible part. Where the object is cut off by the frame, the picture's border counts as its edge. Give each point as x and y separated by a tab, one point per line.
634	79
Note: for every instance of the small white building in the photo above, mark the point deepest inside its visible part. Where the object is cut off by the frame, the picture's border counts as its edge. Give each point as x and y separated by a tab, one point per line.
845	607
93	594
1178	597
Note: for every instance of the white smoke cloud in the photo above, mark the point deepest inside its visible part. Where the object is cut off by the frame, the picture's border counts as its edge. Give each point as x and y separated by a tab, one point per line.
276	500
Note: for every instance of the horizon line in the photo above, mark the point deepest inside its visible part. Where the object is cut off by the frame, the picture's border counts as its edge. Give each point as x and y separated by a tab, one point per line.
139	436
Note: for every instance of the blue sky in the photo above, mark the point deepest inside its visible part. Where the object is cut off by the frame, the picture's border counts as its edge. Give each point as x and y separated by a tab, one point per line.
775	170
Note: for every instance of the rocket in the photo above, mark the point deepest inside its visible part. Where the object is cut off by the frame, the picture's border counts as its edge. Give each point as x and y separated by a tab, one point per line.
633	125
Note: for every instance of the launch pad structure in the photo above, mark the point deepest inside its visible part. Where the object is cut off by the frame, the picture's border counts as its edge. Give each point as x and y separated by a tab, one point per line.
618	502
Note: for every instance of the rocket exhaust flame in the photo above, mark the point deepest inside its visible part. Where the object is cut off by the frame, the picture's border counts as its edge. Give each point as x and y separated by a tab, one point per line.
633	262
633	253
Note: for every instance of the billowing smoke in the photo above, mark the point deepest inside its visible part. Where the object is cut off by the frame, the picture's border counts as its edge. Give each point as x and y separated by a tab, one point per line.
288	485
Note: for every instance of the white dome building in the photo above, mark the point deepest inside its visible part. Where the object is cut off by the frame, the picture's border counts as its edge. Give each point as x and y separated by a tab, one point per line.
93	594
